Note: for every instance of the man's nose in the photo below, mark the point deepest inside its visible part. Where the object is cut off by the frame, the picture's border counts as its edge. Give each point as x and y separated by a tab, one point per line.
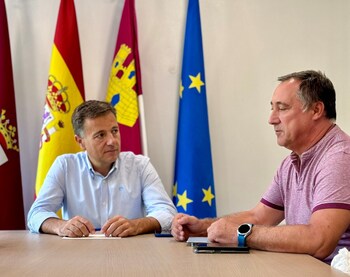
273	118
111	138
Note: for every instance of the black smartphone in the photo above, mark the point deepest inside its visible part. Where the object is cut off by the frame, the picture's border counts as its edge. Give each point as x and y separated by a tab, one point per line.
163	235
219	248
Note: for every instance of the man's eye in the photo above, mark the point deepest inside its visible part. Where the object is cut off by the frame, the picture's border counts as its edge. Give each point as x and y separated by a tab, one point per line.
100	136
282	108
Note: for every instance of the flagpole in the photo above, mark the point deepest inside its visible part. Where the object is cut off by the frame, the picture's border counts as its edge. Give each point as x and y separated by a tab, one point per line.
143	125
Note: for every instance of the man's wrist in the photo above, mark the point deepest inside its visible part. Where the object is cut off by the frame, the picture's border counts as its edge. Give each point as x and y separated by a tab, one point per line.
52	225
206	222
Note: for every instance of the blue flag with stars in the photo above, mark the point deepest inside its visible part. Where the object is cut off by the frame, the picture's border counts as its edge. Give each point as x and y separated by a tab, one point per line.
193	191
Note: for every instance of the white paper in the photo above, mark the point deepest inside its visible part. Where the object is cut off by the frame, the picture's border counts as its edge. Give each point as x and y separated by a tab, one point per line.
341	261
94	236
193	240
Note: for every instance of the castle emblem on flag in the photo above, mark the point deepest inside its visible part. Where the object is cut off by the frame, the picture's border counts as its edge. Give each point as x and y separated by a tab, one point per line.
121	93
8	132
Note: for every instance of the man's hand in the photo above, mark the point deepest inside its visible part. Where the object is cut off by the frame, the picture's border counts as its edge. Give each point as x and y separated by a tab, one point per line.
75	227
120	226
223	231
184	226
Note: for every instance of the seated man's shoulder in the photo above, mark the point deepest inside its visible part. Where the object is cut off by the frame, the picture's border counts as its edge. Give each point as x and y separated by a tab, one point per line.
128	155
129	158
71	158
340	141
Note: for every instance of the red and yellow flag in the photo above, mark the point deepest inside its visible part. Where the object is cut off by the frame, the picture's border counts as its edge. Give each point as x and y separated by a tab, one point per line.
65	91
124	89
11	198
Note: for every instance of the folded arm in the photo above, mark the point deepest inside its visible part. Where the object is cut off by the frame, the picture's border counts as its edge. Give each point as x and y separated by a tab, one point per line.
318	238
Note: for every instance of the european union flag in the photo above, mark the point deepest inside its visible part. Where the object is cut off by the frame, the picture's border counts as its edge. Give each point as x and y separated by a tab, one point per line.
193	191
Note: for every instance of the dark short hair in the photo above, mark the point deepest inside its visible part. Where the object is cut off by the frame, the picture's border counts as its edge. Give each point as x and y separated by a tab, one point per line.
89	109
314	87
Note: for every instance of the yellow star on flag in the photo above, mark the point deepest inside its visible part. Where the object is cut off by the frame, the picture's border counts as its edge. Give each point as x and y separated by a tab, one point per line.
183	200
196	82
208	196
181	89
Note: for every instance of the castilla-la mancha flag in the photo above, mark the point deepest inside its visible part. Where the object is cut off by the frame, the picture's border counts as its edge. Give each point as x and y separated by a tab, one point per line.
124	88
65	91
11	198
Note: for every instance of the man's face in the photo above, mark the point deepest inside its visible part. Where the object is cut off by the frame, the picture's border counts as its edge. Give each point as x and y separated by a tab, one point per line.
101	140
292	124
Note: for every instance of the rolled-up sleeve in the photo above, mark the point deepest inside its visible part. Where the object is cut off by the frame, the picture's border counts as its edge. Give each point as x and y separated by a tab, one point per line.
156	200
49	200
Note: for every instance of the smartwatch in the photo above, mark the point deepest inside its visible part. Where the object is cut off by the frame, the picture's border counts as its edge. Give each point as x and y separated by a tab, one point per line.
243	232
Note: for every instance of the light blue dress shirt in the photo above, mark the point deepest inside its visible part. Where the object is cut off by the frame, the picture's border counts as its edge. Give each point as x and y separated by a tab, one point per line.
132	189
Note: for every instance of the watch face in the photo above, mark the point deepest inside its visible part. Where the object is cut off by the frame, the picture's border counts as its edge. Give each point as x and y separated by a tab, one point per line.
244	228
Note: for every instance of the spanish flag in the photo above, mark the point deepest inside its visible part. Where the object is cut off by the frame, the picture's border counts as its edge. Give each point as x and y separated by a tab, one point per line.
65	91
124	89
11	198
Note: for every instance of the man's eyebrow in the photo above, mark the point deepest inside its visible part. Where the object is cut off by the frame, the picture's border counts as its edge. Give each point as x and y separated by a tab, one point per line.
278	103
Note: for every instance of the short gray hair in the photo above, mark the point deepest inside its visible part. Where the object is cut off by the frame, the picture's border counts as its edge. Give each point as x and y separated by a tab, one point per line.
314	87
89	109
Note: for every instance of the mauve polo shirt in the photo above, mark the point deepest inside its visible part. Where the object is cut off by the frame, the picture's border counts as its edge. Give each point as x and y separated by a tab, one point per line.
318	179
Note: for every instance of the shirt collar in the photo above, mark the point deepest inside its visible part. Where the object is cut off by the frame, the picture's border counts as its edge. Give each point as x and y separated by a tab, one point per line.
315	148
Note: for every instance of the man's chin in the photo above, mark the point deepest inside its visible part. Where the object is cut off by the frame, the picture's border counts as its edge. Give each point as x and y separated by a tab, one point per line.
280	142
112	156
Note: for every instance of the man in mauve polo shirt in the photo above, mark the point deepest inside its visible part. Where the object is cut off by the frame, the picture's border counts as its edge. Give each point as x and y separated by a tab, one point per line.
311	188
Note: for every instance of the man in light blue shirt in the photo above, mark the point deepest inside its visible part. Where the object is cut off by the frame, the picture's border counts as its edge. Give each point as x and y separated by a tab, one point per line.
101	188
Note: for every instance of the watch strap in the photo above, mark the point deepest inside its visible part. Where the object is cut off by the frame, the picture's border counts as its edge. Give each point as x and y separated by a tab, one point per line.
241	240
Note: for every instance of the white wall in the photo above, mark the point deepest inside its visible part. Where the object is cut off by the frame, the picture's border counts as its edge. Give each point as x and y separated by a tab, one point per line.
247	45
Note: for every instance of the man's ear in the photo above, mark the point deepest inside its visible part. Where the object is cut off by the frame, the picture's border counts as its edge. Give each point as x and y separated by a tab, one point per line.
318	109
80	141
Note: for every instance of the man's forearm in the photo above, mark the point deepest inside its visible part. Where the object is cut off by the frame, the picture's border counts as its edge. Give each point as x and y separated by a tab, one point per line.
241	217
51	226
146	225
290	238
